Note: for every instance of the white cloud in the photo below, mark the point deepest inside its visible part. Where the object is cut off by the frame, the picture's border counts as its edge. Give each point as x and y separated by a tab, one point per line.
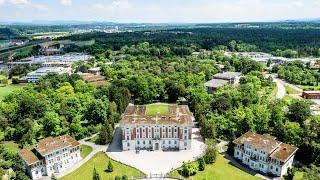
297	3
66	2
317	2
19	2
1	2
115	5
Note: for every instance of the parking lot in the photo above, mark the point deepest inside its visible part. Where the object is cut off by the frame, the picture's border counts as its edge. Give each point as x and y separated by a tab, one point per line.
156	162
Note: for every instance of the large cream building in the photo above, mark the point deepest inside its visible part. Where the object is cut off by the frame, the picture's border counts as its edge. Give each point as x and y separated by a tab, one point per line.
51	155
264	153
172	131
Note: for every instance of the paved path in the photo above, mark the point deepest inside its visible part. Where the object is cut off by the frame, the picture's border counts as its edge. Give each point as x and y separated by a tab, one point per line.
95	150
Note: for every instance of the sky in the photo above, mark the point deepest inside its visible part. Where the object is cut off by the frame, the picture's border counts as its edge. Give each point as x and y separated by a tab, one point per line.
158	11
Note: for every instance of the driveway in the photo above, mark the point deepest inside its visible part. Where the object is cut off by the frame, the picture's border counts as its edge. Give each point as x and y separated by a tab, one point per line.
156	162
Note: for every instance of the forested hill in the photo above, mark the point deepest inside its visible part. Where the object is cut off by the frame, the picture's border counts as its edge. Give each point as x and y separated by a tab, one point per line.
305	41
9	33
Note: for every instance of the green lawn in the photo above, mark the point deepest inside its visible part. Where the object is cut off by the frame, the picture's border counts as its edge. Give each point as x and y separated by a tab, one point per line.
310	88
290	90
298	175
221	169
6	90
11	145
100	162
158	108
94	139
85	150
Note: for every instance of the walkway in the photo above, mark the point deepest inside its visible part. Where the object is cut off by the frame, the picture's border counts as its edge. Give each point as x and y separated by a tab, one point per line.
95	150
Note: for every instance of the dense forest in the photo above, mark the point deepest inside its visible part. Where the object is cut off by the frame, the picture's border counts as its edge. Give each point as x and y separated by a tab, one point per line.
306	42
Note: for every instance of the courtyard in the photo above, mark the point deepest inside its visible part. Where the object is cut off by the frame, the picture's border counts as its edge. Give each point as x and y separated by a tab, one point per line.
155	162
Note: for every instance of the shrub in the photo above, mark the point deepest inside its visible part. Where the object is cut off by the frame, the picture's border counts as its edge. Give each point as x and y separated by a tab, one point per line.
210	154
189	169
202	164
110	167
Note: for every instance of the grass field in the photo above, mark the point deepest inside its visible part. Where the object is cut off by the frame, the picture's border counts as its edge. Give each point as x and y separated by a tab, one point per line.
298	175
100	162
290	90
11	145
155	109
85	150
6	90
220	170
310	88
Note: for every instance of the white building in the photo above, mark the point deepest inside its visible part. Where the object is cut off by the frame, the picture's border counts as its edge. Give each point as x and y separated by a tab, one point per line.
51	155
172	131
34	76
264	153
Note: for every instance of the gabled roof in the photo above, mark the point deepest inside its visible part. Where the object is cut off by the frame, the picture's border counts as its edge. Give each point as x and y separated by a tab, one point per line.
276	149
264	142
28	156
284	152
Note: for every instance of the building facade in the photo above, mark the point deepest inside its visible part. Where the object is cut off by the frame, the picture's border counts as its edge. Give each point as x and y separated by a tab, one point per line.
264	153
51	155
161	132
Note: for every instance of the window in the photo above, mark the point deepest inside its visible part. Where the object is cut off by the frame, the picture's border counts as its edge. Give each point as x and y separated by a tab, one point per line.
271	167
144	142
185	143
138	142
149	142
169	142
276	169
175	142
128	144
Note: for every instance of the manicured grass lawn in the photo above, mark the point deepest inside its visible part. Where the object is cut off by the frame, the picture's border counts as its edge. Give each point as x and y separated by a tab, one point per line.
100	162
154	109
221	169
6	90
11	145
290	90
298	175
94	139
85	150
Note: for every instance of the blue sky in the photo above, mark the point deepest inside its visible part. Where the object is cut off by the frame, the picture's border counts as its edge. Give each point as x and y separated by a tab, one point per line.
158	11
